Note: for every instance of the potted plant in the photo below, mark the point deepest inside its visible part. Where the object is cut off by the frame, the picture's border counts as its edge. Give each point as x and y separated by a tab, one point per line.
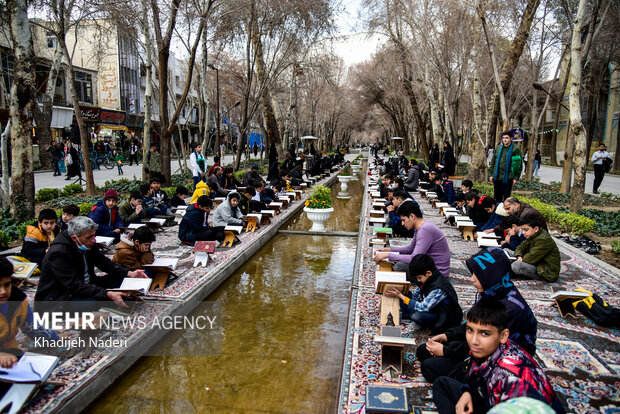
356	168
319	207
344	176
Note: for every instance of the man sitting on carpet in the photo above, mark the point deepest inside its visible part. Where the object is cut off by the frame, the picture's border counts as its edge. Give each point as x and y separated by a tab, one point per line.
490	275
428	239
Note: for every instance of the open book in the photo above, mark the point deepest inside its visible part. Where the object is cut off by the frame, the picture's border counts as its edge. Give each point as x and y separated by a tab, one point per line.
486	242
167	262
159	221
132	284
106	241
135	225
391	279
31	367
234	229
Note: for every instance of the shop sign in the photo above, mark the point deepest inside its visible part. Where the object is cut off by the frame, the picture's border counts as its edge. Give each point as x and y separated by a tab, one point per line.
89	113
107	116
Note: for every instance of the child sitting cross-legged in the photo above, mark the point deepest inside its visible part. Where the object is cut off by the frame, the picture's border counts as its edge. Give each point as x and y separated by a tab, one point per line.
513	236
180	195
106	215
434	304
538	257
195	223
134	251
39	237
500	369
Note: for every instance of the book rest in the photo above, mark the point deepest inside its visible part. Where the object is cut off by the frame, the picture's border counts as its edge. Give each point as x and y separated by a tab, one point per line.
201	258
389	306
392	345
385	266
230	239
252	224
160	279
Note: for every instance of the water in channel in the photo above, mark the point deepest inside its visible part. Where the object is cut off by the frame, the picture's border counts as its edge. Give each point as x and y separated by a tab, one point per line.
284	325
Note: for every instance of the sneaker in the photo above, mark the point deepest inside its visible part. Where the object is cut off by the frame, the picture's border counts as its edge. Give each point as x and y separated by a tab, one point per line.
595	192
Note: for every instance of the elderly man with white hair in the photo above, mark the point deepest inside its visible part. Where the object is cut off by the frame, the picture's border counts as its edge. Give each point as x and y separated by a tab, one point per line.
68	272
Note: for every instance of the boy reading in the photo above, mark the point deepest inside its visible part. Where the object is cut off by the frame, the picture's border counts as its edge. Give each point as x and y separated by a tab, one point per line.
195	223
490	276
17	315
538	257
134	251
68	213
105	214
132	211
180	195
513	236
500	369
39	237
228	212
434	304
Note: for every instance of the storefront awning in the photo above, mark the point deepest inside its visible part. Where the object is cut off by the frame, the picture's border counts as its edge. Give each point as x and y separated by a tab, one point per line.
62	117
99	127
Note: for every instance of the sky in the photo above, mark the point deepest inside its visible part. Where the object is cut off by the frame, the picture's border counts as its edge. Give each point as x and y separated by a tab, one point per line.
354	44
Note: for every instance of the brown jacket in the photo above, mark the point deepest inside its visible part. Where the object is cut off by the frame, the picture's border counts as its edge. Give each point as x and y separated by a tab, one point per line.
526	209
129	256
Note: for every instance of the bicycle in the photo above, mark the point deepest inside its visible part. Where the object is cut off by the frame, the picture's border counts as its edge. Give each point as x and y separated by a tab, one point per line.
106	159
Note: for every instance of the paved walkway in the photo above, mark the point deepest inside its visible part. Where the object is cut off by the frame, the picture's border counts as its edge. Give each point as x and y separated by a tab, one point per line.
548	173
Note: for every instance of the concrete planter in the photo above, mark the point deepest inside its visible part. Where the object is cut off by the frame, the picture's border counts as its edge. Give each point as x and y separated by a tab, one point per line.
318	217
344	188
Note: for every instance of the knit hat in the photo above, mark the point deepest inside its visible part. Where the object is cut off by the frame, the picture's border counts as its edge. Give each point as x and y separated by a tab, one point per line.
111	194
492	268
255	167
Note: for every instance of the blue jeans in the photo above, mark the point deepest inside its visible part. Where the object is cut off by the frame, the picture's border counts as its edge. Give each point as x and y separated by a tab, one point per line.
426	319
536	167
197	179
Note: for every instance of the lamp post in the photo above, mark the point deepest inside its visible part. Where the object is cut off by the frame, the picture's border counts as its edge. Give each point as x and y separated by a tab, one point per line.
539	87
217	108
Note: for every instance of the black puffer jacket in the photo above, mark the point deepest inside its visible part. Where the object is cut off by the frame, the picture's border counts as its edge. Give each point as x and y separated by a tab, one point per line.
63	269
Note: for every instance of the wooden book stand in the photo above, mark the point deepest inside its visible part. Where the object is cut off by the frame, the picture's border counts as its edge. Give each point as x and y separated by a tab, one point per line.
468	232
160	279
252	224
230	239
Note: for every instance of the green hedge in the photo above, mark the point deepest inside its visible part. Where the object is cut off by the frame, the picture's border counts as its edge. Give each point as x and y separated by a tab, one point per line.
568	222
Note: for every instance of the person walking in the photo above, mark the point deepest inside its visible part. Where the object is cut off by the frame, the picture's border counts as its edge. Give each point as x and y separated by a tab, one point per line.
537	162
602	163
56	152
506	167
133	153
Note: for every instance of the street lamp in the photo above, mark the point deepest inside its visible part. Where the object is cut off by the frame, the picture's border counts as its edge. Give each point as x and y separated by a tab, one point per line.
539	87
217	107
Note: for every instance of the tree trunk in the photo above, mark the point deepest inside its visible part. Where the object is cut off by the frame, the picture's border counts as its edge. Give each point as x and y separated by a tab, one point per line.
512	58
148	91
43	115
204	122
4	151
436	123
577	127
478	170
23	99
271	124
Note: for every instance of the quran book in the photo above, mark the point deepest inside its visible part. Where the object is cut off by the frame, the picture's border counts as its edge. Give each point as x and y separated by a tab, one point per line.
386	230
168	262
31	367
133	284
485	242
159	221
106	241
396	279
205	246
22	270
135	225
234	229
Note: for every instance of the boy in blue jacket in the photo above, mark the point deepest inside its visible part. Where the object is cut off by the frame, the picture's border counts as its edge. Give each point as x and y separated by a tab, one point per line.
195	223
105	213
448	190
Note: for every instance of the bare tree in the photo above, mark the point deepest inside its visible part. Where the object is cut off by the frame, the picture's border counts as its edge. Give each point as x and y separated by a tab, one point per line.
23	99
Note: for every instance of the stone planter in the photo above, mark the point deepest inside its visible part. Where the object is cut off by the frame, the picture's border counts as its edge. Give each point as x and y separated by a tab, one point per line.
318	217
344	188
356	168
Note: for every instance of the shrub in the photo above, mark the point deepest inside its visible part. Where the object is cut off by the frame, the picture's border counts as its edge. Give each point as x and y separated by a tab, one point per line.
71	189
180	179
46	194
85	208
5	239
123	185
239	175
615	246
170	191
321	197
607	223
77	200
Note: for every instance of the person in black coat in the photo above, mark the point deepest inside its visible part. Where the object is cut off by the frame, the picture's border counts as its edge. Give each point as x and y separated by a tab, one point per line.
195	223
447	159
68	272
73	169
433	156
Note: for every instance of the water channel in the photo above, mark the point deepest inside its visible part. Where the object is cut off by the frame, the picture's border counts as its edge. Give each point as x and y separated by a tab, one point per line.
284	312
